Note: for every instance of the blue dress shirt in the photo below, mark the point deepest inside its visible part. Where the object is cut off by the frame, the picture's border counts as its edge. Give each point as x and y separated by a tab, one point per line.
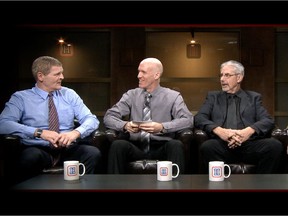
27	110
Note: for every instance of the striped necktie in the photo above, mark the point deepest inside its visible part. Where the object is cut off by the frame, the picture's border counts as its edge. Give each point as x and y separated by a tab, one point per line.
145	137
53	126
53	115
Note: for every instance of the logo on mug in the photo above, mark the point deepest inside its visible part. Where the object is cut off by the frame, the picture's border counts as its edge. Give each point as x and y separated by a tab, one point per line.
71	170
163	171
216	171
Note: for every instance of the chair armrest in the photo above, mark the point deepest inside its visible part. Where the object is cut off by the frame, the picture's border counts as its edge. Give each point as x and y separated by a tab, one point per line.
10	149
99	139
282	136
7	138
200	136
185	136
279	134
76	123
10	145
112	135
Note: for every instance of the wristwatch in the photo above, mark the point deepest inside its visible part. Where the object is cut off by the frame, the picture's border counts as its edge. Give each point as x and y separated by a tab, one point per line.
39	132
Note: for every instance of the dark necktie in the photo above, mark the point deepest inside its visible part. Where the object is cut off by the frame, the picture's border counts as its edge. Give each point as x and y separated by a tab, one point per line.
54	126
145	137
53	115
231	120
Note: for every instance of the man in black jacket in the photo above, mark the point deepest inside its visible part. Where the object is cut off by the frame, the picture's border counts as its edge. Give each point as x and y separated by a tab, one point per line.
240	131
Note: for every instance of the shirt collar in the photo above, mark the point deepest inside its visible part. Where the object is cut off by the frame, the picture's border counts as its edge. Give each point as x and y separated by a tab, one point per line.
154	92
238	93
43	94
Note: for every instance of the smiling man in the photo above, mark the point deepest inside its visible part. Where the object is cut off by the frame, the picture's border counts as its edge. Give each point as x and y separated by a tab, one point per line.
238	125
164	113
49	136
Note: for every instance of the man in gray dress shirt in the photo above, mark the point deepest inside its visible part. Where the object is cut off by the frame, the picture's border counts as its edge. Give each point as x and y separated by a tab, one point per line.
169	115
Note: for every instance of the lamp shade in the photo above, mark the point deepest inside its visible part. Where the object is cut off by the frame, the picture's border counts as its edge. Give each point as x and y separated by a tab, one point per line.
193	50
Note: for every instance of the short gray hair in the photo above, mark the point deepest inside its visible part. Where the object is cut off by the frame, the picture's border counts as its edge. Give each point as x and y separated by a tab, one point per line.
43	64
239	68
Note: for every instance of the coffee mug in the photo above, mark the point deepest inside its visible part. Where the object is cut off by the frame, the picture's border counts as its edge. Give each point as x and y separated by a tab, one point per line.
165	170
72	171
217	171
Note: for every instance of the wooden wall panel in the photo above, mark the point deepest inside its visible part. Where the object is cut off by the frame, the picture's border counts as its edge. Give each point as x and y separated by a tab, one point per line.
257	56
128	49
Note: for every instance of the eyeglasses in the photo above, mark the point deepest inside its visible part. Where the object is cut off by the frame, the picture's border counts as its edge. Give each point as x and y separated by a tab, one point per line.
226	76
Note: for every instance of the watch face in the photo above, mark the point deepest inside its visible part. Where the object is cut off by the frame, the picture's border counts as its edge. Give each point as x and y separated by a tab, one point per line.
39	132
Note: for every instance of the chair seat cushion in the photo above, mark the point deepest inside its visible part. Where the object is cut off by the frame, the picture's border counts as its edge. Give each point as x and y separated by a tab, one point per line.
54	170
242	168
143	167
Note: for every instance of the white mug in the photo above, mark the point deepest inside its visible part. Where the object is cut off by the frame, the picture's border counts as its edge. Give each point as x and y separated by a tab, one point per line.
165	170
72	171
216	171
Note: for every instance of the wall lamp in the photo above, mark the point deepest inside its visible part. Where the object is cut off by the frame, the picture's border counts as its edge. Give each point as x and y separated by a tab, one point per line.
66	49
193	49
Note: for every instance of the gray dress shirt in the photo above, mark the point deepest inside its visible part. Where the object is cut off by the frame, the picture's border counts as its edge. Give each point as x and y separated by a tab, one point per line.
167	107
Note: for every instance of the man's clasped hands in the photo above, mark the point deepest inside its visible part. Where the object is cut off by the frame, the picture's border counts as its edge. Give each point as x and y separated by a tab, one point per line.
234	137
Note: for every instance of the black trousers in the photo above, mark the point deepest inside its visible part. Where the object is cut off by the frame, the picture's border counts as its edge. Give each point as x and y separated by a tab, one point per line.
122	152
264	153
33	159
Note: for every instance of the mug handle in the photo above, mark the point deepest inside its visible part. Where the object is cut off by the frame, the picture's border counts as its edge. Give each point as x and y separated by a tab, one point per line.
229	173
178	170
84	170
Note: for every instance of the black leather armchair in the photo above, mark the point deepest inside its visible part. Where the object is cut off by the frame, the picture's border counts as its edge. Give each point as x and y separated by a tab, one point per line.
242	168
150	166
10	149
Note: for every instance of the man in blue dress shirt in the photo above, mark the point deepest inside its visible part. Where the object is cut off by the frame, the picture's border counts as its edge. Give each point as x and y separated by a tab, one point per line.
26	115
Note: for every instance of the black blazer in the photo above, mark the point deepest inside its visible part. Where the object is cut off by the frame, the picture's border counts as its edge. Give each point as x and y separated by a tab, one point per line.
252	113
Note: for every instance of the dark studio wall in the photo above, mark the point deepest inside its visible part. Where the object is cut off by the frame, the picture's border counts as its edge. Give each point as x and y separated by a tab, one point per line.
101	76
